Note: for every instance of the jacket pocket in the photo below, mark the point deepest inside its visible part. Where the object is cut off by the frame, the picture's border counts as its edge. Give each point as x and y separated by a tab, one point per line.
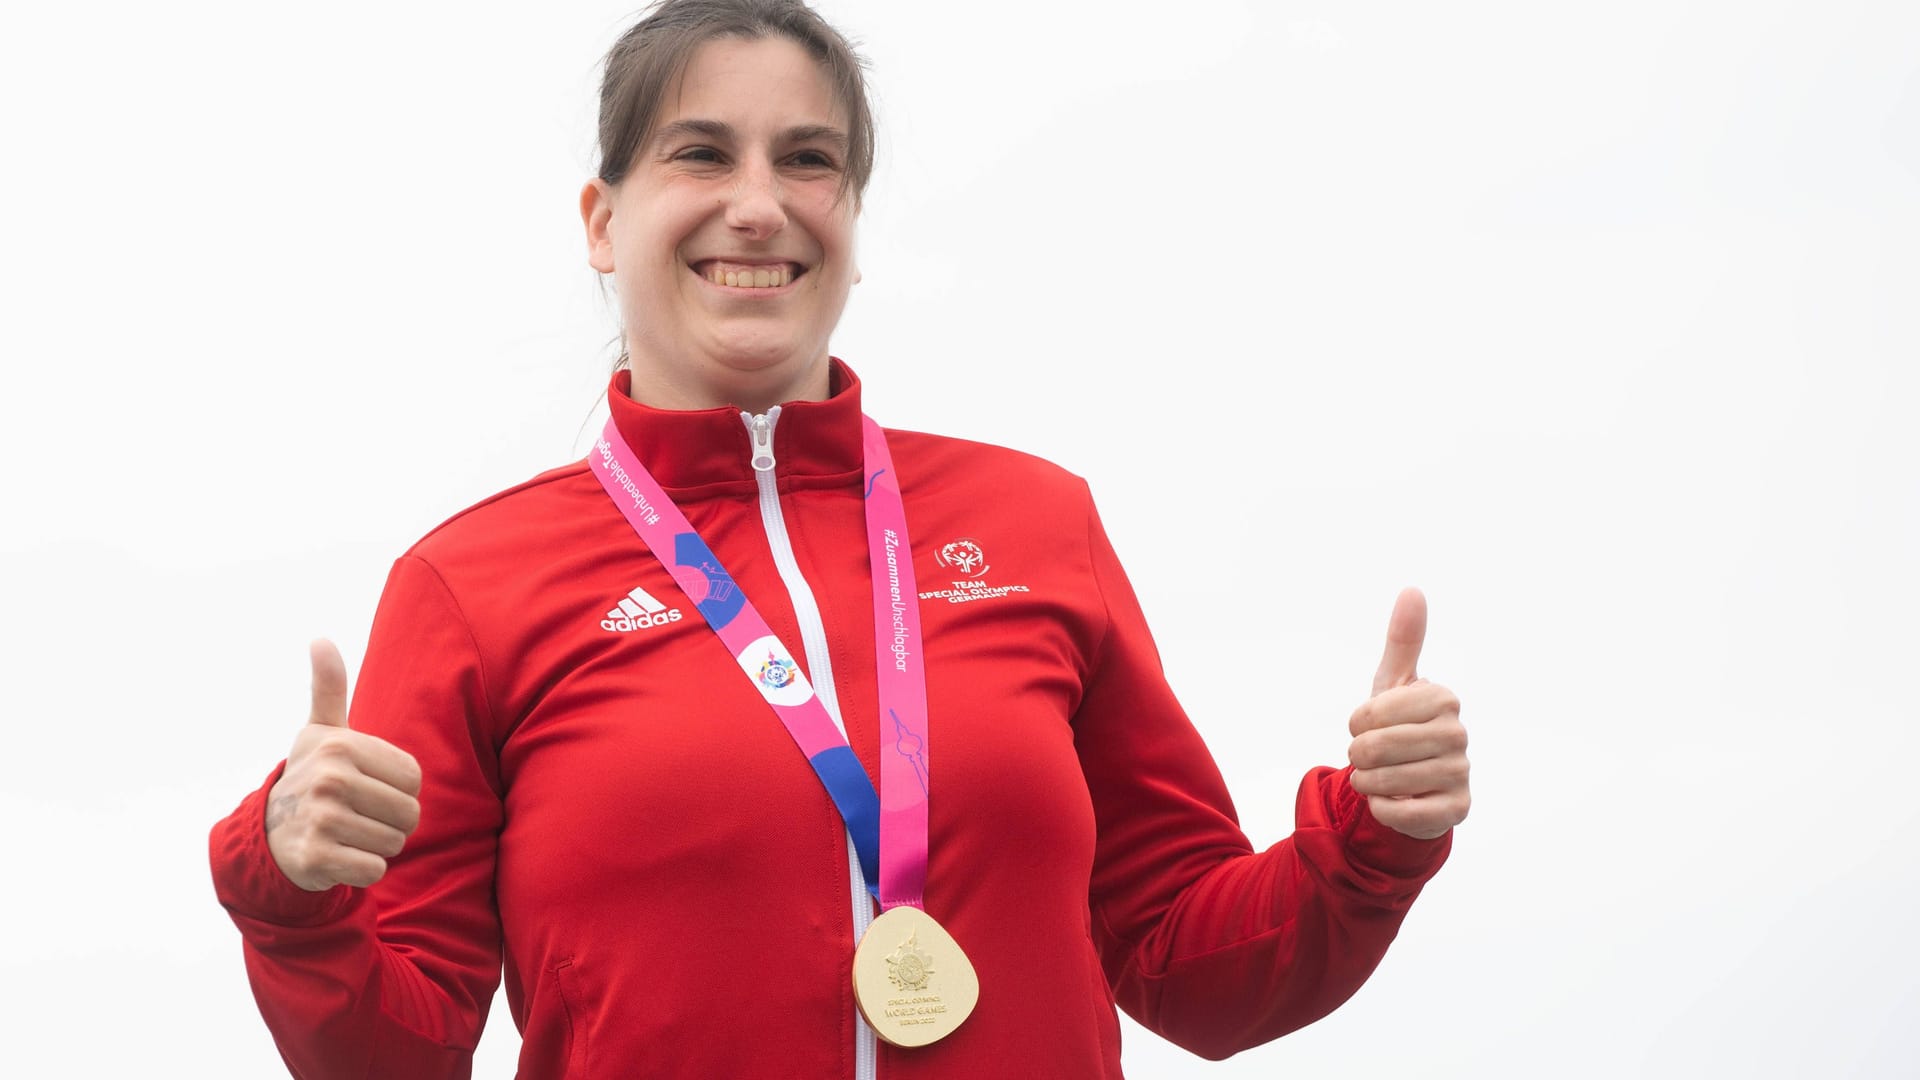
574	1006
1106	1022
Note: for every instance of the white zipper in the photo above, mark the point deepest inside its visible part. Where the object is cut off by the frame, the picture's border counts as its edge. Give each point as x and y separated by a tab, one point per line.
813	639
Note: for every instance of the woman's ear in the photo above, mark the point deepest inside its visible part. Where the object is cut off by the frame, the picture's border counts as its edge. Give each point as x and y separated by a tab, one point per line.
596	213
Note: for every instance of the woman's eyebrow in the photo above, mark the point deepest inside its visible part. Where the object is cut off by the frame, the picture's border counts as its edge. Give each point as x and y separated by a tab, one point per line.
699	129
720	131
817	132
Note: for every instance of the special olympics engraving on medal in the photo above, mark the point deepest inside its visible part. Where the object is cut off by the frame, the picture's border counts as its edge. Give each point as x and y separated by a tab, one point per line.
908	967
911	980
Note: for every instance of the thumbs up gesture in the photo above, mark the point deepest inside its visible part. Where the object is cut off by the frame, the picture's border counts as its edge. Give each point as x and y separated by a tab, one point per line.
1409	751
347	801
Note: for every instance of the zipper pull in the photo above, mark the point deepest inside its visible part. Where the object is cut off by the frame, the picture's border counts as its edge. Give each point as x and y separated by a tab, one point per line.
760	430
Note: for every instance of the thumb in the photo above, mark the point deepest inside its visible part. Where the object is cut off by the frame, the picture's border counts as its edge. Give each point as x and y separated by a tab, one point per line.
329	684
1406	631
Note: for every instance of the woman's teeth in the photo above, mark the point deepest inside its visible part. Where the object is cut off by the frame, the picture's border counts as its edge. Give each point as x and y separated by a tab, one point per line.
765	278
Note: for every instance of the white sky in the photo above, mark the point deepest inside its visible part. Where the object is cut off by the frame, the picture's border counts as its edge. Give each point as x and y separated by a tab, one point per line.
1596	321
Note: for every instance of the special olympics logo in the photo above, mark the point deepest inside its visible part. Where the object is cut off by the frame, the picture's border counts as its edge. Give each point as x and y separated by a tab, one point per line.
963	556
776	674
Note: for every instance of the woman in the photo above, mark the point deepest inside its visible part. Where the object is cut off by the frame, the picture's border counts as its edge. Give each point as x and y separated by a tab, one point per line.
555	764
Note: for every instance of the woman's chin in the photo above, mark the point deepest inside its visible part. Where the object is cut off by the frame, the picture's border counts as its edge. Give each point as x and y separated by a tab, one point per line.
751	355
748	360
761	373
754	369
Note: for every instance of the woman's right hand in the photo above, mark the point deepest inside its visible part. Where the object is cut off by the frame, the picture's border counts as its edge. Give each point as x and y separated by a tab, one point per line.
347	801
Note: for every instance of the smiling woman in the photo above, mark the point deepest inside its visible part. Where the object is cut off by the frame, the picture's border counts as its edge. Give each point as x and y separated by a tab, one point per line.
730	227
698	850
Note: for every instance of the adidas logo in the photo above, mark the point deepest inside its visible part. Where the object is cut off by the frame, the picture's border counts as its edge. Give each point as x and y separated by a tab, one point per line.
638	611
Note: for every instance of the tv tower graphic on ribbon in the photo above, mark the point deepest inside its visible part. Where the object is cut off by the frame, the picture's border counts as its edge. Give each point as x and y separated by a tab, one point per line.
910	746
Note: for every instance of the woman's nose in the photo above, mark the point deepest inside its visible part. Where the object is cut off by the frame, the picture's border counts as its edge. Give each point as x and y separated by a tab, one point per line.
754	207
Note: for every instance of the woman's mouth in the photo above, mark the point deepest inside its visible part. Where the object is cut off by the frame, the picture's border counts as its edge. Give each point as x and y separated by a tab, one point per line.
740	275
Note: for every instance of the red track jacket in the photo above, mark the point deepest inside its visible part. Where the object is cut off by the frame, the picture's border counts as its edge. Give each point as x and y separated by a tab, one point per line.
612	811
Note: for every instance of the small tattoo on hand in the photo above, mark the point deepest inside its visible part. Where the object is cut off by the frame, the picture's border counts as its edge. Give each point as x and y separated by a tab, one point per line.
280	809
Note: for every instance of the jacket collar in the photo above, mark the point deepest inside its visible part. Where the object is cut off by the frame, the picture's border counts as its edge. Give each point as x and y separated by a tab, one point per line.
693	448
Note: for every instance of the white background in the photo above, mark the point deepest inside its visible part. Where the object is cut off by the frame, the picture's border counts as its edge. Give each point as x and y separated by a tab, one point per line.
1596	321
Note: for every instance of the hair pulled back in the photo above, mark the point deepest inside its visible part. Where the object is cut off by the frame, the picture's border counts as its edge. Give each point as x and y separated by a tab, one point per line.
652	54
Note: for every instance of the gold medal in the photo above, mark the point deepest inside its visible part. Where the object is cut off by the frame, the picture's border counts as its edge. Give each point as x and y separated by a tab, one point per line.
910	979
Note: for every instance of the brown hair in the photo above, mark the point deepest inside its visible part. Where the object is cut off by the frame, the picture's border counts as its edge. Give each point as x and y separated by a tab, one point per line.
655	51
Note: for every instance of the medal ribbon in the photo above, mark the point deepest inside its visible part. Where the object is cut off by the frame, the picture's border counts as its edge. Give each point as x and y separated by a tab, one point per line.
889	830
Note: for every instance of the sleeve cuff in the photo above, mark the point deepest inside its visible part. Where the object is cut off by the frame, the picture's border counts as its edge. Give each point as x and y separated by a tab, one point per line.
250	883
1377	846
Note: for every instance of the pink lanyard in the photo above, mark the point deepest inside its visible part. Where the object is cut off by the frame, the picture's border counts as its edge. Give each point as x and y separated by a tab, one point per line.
895	821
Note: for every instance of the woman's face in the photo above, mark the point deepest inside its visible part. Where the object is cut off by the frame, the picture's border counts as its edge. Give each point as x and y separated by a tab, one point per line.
729	240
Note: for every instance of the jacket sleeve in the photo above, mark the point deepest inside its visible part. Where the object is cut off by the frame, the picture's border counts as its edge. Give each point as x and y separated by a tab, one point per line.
392	980
1204	941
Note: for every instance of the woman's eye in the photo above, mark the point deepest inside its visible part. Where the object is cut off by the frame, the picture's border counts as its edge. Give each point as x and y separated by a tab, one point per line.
698	153
812	159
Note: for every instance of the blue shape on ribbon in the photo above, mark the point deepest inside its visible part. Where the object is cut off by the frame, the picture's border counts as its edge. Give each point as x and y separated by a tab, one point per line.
847	785
872	480
724	599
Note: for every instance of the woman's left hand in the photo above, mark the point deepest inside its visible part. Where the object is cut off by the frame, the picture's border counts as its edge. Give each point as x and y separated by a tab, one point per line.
1409	750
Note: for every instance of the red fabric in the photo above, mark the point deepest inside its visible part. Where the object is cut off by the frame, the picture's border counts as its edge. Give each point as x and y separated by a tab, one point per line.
618	817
